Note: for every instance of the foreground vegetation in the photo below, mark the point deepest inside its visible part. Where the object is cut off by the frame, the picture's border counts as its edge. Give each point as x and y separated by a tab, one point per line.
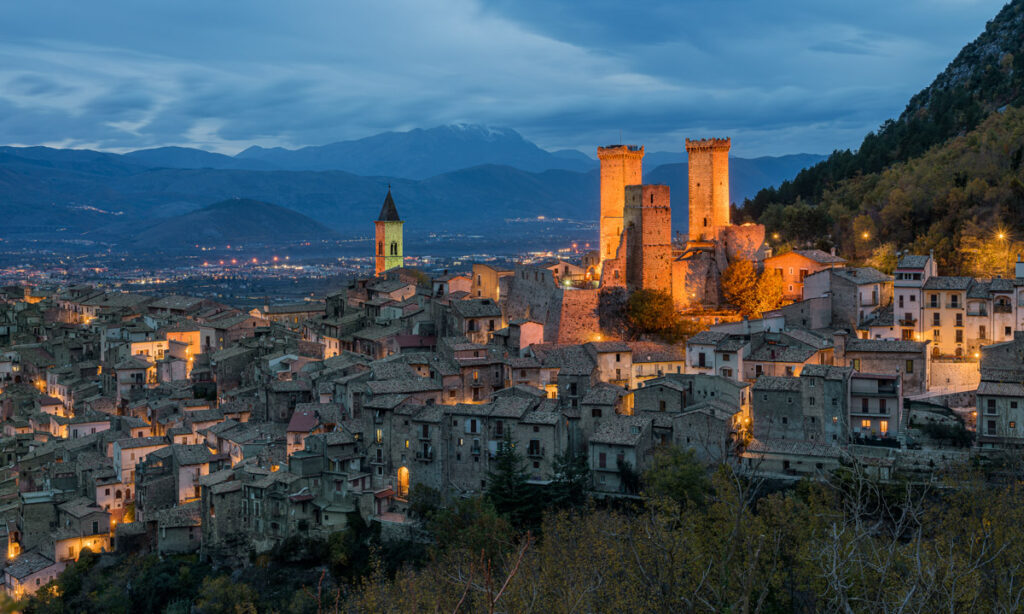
697	542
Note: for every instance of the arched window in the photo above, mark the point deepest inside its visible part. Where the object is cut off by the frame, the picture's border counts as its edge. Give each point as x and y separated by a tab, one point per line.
705	222
403	482
394	248
380	248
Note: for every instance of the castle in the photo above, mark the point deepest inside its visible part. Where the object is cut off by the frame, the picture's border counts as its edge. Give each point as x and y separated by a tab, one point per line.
636	247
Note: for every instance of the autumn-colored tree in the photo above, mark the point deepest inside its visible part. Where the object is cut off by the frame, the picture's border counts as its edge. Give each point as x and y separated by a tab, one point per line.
883	258
650	311
738	283
768	292
752	294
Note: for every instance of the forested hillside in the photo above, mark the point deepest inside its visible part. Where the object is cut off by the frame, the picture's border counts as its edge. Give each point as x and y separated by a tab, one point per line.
987	75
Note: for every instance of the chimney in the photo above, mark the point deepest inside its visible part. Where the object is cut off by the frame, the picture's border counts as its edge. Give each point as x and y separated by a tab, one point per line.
839	345
833	250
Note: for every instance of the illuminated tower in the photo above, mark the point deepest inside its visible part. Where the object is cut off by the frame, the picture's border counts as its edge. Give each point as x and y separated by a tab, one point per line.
389	236
709	187
621	165
648	222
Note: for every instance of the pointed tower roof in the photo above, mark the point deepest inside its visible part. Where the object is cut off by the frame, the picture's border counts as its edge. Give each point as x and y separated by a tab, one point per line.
389	213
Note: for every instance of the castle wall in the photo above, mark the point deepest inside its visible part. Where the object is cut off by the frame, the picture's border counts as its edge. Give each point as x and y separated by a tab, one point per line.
709	187
695	281
621	165
532	293
579	317
648	222
744	242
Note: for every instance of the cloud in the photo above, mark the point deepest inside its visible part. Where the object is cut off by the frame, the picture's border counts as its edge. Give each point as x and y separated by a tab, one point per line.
778	77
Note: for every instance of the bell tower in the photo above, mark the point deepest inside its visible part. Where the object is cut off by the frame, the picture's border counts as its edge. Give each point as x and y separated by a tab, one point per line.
389	237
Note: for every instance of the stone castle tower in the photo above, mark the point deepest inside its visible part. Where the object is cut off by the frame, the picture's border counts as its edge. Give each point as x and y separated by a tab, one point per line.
389	237
621	165
709	187
647	218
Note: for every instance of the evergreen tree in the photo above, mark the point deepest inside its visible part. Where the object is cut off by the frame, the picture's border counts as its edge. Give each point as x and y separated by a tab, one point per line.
507	487
570	479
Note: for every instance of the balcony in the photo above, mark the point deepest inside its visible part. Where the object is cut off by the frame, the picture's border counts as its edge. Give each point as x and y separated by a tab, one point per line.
982	312
908	321
997	308
475	450
425	455
954	306
535	452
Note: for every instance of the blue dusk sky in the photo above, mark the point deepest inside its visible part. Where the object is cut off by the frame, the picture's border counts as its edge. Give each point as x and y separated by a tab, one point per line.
779	77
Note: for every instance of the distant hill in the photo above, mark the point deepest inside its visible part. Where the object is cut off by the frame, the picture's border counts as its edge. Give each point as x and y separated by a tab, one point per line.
236	219
987	75
189	157
422	153
81	193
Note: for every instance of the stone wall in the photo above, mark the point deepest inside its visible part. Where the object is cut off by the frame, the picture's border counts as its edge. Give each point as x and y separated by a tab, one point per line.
579	317
648	223
695	281
954	376
745	242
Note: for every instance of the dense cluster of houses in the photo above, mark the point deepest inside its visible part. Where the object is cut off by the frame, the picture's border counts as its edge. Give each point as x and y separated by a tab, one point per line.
176	424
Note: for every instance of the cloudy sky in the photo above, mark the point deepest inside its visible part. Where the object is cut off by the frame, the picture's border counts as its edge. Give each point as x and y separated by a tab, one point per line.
782	76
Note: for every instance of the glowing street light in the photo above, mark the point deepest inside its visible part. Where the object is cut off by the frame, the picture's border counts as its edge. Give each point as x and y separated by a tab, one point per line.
865	235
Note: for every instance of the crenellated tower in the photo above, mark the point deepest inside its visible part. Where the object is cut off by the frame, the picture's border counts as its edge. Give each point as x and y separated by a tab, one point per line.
647	218
389	237
621	165
709	187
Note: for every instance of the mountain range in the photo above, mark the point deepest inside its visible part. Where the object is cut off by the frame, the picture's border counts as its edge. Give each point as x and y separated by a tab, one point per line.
114	197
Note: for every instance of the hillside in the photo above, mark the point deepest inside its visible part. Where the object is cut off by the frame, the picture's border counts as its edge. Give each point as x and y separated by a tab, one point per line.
987	74
236	219
964	200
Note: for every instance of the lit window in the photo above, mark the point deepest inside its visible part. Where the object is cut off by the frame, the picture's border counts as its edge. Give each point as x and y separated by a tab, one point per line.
865	424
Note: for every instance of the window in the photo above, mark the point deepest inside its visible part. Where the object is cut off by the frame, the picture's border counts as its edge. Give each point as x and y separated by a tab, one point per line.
661	405
910	366
960	336
618	358
595	412
1013	404
865	424
864	405
881	406
785	420
1013	424
936	319
394	248
981	333
990	407
1007	331
602	460
959	319
812	383
406	443
810	401
380	435
856	364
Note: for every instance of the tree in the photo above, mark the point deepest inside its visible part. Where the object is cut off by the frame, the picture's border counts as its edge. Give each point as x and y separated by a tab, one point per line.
424	500
222	596
752	294
883	258
570	478
507	486
472	525
738	282
768	292
676	474
650	311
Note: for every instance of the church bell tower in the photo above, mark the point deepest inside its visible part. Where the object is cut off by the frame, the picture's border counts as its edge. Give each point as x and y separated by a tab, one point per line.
389	237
